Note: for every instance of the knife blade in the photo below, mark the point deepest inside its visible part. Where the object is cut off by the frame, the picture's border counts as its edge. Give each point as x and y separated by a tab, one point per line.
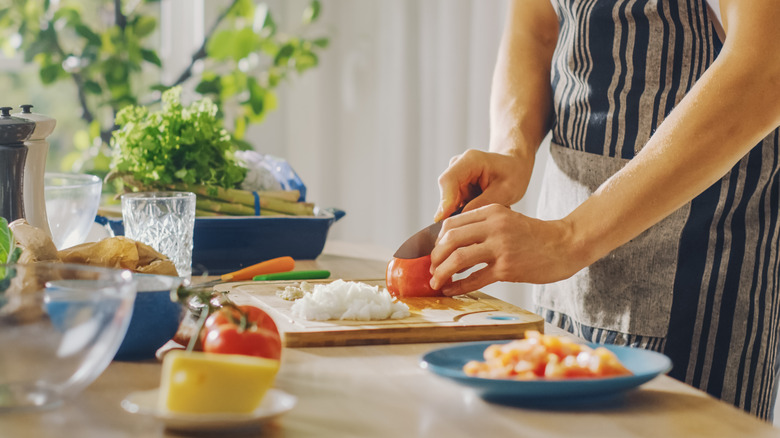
422	242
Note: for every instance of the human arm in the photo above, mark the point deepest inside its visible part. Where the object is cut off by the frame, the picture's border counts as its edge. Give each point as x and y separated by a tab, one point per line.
520	114
734	105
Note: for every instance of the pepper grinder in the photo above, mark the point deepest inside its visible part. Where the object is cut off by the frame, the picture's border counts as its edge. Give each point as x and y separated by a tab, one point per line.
13	153
35	168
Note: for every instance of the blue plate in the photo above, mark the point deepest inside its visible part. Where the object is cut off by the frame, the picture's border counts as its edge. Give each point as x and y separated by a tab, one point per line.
644	364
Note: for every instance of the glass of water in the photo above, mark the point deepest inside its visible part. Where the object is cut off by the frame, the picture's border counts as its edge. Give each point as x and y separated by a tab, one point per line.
72	201
165	221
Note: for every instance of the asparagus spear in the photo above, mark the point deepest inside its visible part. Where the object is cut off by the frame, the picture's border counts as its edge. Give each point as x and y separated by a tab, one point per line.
270	200
212	207
239	196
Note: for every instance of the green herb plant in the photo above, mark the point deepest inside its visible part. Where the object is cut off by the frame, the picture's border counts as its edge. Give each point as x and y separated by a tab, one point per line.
175	144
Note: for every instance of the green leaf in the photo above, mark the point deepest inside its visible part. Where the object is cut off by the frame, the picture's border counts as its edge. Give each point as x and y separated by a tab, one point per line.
50	73
232	84
107	43
267	25
275	75
321	42
311	12
6	241
218	46
240	128
85	32
233	44
70	14
305	61
116	72
271	102
284	54
151	56
256	99
243	8
209	85
94	129
144	26
17	252
242	145
92	87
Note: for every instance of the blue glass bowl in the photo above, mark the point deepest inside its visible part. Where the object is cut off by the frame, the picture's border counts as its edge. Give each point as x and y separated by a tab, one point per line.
60	327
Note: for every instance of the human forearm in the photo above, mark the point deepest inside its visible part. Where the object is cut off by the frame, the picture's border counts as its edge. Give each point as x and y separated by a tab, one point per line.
520	108
521	97
732	107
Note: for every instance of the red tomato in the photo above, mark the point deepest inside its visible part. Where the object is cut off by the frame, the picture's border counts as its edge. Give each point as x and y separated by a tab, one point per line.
410	278
244	330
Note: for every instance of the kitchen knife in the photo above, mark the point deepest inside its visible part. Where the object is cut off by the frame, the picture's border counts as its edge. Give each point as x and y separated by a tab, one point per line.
422	242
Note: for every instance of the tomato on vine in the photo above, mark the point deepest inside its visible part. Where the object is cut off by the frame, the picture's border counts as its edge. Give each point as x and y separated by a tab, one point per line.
245	330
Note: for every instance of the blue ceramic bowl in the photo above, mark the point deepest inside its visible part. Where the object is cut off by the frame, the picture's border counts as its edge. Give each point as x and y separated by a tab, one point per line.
227	244
155	317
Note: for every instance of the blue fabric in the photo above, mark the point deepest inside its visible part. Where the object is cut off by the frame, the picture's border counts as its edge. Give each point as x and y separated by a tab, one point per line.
257	203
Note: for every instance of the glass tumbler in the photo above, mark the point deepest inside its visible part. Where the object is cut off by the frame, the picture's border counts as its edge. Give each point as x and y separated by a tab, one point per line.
72	201
165	221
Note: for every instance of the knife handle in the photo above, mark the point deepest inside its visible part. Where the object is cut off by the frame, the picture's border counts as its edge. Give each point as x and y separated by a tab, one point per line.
279	264
293	275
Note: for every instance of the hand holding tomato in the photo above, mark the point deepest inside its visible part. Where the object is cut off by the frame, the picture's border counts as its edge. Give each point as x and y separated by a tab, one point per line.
410	277
245	330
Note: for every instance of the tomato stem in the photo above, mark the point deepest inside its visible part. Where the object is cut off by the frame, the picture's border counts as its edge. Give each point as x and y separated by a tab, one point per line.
242	326
204	313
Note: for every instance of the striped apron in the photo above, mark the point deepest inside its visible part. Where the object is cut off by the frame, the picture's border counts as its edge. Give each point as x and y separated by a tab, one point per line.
702	285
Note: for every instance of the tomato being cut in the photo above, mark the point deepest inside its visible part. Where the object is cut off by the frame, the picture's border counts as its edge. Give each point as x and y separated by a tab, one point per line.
245	330
410	277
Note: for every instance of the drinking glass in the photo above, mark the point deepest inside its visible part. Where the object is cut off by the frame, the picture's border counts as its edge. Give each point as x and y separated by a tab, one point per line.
165	221
72	201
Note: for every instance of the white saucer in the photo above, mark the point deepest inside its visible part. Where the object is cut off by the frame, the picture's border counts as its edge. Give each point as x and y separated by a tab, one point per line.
275	403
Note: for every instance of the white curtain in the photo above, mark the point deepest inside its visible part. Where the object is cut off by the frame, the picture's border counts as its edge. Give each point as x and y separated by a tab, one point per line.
403	87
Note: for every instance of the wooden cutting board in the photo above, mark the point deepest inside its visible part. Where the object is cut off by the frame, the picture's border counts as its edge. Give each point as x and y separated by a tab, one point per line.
471	317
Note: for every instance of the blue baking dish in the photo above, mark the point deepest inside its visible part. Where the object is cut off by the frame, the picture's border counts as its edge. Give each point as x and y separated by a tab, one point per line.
226	244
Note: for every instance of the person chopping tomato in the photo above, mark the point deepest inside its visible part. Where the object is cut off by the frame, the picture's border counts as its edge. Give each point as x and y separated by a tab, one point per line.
658	221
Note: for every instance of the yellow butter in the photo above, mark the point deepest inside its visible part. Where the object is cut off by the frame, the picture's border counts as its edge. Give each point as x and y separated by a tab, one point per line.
195	382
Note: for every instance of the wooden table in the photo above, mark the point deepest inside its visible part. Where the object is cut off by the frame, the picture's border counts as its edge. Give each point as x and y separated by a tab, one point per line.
380	391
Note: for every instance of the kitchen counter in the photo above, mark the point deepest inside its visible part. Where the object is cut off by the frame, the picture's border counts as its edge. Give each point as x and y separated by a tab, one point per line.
380	391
